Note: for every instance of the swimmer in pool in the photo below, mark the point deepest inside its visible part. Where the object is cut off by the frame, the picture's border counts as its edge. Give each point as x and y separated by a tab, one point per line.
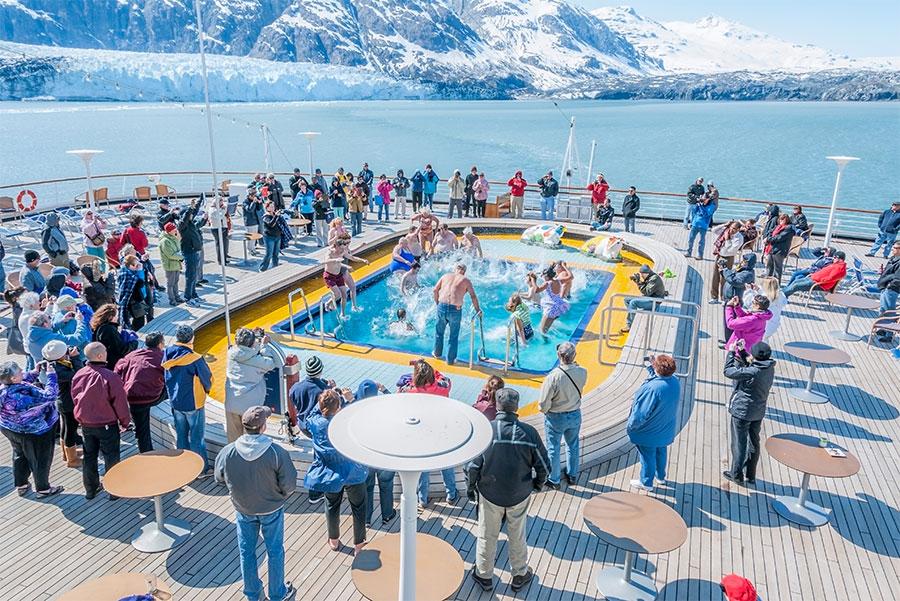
412	242
401	325
427	223
409	283
444	240
402	258
521	316
470	243
564	277
553	305
348	277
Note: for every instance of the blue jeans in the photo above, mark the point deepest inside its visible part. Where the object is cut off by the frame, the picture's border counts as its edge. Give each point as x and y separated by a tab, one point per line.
695	233
338	212
637	303
191	271
797	274
273	248
386	210
653	463
371	200
888	299
629	224
447	315
449	476
558	426
272	526
356	220
429	200
385	493
2	278
189	432
798	285
548	206
887	240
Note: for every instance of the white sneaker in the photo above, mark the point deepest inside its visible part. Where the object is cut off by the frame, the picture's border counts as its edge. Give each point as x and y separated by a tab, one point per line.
660	482
640	485
713	301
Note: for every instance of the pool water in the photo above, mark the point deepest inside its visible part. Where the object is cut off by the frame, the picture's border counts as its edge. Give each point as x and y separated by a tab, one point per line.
494	280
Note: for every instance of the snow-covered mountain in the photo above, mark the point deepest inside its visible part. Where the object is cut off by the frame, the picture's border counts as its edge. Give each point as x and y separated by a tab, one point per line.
717	45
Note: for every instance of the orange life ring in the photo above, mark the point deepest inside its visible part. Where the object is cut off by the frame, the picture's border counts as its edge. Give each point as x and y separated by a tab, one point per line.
21	205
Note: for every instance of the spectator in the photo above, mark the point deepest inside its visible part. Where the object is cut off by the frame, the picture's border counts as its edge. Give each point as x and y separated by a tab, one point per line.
651	286
701	217
105	328
321	209
753	375
356	206
384	478
469	202
826	258
430	181
799	222
338	198
113	246
260	477
778	245
603	216
94	241
480	189
191	246
66	362
417	184
62	316
15	342
653	420
504	476
171	260
40	333
253	211
318	182
750	233
487	398
517	195
303	204
144	380
560	402
54	242
749	327
101	408
99	287
712	196
188	380
30	277
305	393
549	191
768	287
294	182
166	214
29	303
2	268
134	234
131	295
334	475
457	195
736	282
28	420
826	278
271	236
728	245
630	207
276	191
249	360
888	226
695	194
368	178
889	287
220	225
599	188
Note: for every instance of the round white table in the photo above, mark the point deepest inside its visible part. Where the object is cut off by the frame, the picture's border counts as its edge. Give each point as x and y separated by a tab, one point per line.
114	587
850	302
815	354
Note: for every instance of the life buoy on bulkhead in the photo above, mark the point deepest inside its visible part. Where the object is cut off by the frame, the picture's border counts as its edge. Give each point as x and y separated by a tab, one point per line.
31	205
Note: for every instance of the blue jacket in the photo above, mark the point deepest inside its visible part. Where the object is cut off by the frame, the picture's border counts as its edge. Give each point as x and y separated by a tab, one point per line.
38	336
418	181
889	222
32	280
303	202
330	471
654	414
305	395
701	215
188	378
431	182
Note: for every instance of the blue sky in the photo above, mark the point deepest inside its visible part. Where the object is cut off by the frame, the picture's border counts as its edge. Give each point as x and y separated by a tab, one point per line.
856	28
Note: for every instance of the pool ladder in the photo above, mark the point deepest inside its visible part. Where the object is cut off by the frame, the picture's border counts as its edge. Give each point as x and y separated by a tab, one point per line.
310	328
512	334
482	353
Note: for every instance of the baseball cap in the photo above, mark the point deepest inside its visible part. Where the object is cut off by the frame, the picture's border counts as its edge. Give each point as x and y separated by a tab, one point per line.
645	269
761	351
54	350
505	395
255	417
66	302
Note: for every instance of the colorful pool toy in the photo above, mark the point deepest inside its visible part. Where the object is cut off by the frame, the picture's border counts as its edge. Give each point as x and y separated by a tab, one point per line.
607	248
546	234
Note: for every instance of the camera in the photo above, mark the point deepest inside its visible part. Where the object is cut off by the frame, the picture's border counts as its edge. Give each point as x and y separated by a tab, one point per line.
721	263
635	277
259	332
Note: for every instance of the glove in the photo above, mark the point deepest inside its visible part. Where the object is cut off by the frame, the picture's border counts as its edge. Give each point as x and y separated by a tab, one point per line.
470	493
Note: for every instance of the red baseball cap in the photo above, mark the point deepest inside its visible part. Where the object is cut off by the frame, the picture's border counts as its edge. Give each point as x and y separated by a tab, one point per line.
738	588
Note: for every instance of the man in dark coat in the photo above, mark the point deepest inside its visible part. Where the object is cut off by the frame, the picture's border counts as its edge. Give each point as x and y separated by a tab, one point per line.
753	375
470	193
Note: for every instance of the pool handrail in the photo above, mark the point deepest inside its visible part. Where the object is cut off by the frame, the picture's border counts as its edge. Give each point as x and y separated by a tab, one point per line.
284	371
291	295
510	332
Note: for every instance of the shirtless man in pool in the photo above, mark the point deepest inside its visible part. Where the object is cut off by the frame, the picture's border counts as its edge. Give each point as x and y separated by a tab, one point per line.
449	294
413	244
334	273
444	240
470	243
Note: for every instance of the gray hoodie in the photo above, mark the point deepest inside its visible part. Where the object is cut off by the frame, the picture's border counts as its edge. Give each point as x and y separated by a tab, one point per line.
259	474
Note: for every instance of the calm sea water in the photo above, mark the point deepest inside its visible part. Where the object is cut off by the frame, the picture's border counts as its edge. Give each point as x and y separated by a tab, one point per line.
750	149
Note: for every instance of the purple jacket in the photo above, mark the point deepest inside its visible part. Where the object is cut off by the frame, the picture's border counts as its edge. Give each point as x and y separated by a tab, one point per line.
749	326
29	409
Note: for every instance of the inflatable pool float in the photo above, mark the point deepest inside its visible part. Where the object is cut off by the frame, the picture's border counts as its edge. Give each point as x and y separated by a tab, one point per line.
546	234
607	248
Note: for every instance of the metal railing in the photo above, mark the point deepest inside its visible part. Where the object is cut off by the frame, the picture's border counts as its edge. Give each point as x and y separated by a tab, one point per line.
482	353
302	294
511	331
693	320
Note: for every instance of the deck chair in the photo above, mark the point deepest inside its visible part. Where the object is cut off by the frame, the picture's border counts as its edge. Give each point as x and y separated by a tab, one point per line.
816	288
796	245
142	193
8	206
164	191
862	284
45	269
12	280
889	321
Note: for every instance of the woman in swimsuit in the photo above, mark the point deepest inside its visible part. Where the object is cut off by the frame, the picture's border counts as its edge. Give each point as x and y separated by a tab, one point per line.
336	230
552	304
564	277
334	276
427	222
532	294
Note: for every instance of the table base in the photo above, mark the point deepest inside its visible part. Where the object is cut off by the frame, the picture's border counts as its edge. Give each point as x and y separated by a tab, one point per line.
845	336
806	514
150	538
612	584
808	396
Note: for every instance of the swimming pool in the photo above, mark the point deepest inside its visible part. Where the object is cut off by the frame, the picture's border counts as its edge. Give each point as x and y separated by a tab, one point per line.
495	278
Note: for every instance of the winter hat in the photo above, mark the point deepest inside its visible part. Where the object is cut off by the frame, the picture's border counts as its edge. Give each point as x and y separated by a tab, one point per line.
59	271
313	367
738	588
54	350
645	269
31	255
366	389
170	227
163	202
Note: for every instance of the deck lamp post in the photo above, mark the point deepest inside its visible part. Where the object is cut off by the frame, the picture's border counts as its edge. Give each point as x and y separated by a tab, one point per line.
310	135
86	156
841	162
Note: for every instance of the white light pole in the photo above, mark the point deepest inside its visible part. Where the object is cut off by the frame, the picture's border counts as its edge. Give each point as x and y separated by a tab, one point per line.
215	177
310	135
268	154
86	156
587	180
841	162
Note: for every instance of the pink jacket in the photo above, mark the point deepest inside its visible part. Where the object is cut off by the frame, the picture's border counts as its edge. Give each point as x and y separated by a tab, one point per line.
481	187
384	190
749	326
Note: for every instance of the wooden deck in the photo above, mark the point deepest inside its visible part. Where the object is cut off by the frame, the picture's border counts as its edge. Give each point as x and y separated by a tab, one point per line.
50	546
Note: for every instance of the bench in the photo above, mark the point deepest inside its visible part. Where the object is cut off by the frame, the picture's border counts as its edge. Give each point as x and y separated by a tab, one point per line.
498	208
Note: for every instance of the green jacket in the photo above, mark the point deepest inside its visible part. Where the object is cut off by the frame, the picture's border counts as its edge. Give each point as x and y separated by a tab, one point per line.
170	252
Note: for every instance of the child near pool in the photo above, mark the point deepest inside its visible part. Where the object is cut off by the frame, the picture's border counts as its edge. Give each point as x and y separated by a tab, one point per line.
521	316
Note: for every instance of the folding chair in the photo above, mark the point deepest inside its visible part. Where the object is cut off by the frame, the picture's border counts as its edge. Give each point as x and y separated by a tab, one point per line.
889	322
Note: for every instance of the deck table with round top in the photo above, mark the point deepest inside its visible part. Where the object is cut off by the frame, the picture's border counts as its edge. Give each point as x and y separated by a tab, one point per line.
114	587
636	524
851	302
803	453
154	474
297	223
815	354
246	238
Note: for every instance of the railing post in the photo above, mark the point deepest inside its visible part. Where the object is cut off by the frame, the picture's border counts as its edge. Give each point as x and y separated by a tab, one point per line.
472	344
291	312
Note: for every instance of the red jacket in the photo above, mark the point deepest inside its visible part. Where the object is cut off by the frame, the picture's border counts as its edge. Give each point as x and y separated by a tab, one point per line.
99	397
143	375
137	238
517	185
598	192
830	276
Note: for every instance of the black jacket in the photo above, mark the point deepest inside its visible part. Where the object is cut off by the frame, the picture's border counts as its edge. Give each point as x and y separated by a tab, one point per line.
752	382
470	181
111	338
271	227
781	242
631	205
550	188
890	277
65	371
164	216
513	466
191	236
653	286
800	223
736	279
695	192
889	222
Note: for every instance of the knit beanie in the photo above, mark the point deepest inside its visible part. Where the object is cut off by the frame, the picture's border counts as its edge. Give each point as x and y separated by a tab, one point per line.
738	588
313	367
